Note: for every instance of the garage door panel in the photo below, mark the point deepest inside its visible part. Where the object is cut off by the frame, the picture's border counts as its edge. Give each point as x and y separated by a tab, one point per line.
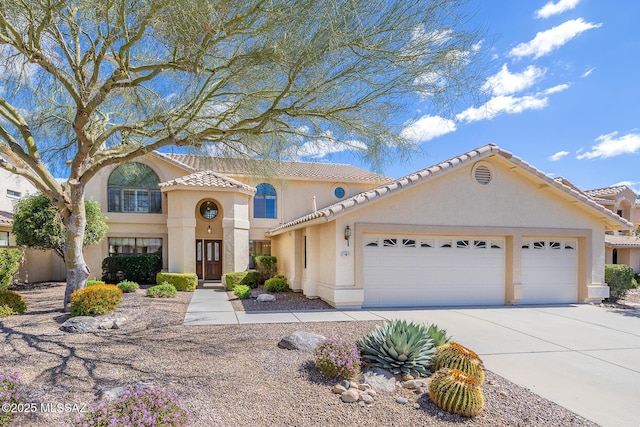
433	271
549	271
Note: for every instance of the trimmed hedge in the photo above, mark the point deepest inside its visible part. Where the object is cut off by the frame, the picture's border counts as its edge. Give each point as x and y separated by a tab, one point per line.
184	282
9	263
96	299
267	266
276	284
247	278
619	277
141	268
242	291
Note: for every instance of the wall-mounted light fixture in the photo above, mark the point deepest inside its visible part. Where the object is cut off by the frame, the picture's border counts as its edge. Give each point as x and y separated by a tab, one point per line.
347	234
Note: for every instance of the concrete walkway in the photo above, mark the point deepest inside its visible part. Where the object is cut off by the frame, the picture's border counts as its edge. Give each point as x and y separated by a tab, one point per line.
582	357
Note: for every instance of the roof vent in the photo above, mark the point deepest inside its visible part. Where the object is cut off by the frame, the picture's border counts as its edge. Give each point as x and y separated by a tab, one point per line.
482	174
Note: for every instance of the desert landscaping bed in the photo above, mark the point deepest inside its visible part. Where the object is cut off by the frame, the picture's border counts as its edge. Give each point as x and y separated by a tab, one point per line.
224	375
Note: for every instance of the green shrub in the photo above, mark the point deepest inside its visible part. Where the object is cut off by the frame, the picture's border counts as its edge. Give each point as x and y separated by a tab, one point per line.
399	347
266	265
128	286
141	268
183	282
619	277
13	301
247	278
164	290
276	284
242	291
9	394
96	299
9	263
94	282
6	311
140	407
337	358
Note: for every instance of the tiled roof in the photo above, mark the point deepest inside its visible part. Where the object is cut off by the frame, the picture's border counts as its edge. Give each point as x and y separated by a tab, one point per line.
622	241
278	169
207	179
605	192
436	170
6	218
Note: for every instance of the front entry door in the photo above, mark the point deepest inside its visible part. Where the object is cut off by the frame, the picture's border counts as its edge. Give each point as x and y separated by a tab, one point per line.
209	259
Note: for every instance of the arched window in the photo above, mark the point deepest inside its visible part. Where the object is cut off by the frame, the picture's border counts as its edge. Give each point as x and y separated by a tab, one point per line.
133	187
264	202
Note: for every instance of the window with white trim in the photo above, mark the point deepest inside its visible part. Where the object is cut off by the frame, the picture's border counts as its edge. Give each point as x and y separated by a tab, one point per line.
133	188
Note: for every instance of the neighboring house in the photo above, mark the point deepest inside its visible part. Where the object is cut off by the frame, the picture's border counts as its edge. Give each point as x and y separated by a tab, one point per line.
621	247
38	266
483	228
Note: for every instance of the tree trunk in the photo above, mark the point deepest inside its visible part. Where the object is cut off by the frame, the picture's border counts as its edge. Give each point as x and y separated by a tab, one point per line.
75	222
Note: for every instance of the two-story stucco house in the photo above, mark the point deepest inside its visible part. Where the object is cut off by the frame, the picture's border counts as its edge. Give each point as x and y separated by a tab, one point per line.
483	228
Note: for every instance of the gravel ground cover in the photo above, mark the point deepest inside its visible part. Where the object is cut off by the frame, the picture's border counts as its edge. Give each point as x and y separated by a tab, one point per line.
225	375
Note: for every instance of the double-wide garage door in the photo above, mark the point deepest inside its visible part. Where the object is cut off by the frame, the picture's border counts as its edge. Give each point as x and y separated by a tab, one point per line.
412	271
404	271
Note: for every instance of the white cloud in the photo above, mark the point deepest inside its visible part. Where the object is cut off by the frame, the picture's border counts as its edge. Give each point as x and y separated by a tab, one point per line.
552	8
427	128
502	104
555	89
610	145
588	72
506	83
323	147
546	41
558	156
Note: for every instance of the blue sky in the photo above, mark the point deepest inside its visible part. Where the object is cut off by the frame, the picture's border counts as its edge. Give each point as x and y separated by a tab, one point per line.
564	93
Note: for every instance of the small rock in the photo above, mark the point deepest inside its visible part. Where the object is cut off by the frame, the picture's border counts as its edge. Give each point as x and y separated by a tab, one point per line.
346	384
266	298
338	389
353	384
416	406
503	393
118	322
492	382
111	393
408	377
366	398
412	384
365	386
371	392
301	340
379	379
362	404
106	324
80	324
402	400
350	396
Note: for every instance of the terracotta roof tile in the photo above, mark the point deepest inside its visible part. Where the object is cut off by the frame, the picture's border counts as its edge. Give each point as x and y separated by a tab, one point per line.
207	179
604	192
622	241
6	218
283	169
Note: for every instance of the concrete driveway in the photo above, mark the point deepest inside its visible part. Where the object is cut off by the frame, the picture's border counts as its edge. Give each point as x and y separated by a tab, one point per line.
582	357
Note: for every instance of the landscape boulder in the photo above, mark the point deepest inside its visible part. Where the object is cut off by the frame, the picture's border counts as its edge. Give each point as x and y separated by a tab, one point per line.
80	324
301	340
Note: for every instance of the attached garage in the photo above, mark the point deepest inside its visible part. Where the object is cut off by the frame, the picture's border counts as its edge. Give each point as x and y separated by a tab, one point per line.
549	271
402	271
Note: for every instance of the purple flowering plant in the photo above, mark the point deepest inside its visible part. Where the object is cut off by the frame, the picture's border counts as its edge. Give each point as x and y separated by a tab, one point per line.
338	358
137	407
9	393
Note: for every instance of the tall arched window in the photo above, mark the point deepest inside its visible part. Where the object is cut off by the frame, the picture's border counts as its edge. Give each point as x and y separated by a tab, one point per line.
133	187
264	202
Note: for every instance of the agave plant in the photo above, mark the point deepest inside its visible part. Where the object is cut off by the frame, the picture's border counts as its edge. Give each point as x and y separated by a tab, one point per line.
399	347
456	356
456	392
438	335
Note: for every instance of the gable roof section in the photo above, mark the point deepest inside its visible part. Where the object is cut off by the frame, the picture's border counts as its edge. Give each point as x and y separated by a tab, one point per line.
331	212
6	218
207	179
606	192
279	169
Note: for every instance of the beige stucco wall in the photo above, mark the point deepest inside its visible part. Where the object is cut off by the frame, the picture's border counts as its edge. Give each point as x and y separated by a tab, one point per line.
9	181
514	205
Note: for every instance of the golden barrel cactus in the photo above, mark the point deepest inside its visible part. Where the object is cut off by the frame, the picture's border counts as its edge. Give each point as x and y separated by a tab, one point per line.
456	392
456	356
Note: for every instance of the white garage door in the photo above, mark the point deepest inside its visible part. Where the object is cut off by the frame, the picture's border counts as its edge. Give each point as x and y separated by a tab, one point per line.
549	271
406	271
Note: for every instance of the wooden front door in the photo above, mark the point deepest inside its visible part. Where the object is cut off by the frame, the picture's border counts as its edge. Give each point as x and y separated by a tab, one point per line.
209	259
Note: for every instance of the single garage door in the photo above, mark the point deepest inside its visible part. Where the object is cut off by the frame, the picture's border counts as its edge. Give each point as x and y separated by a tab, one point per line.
411	271
549	271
